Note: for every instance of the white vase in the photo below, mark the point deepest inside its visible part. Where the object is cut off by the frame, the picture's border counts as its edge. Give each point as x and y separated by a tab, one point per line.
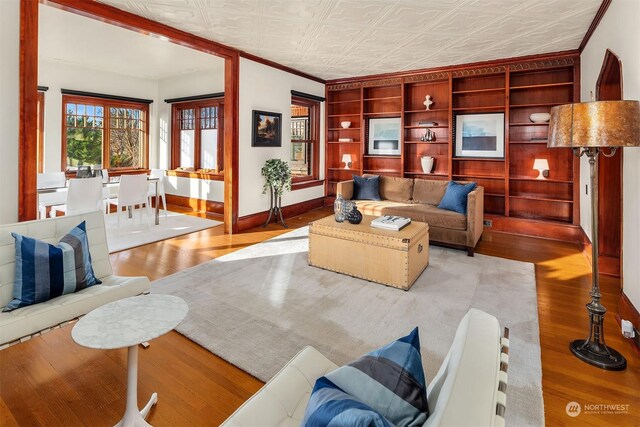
427	163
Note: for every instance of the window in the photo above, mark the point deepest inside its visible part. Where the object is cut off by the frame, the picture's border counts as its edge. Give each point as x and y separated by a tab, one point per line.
197	136
105	134
305	122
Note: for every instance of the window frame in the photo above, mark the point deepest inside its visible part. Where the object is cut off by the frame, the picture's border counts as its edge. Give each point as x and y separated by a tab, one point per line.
175	136
314	135
105	104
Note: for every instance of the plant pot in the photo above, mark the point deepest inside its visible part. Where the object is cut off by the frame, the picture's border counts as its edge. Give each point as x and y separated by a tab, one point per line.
427	163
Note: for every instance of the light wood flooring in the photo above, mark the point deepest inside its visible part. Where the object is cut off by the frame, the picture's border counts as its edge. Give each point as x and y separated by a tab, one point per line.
51	381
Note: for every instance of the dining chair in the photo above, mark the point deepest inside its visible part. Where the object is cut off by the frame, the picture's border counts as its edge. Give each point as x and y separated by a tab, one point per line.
84	195
106	190
132	191
47	180
160	174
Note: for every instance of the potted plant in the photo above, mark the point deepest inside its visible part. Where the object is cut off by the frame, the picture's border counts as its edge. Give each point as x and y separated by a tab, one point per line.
277	175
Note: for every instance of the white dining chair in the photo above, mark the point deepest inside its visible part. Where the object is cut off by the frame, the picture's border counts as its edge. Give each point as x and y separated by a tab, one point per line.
160	174
106	190
48	180
132	191
84	195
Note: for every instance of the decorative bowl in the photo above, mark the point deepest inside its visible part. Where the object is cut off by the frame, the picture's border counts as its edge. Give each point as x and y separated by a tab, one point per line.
345	124
539	117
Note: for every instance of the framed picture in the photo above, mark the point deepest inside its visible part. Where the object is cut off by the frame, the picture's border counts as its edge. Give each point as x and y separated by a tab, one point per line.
384	136
480	135
298	152
267	129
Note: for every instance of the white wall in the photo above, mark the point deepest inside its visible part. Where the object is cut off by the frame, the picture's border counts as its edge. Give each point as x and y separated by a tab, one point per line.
62	76
192	84
269	89
9	106
619	32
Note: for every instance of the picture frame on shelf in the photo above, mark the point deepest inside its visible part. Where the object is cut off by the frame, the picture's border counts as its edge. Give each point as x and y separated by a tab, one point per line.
266	129
384	136
479	135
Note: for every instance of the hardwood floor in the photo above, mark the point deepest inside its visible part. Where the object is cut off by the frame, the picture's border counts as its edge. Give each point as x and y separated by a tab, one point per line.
49	380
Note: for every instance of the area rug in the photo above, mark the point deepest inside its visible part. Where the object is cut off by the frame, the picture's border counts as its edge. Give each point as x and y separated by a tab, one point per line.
259	306
135	232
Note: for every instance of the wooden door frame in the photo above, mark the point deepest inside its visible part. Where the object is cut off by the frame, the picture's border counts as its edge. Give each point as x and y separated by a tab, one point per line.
609	87
27	195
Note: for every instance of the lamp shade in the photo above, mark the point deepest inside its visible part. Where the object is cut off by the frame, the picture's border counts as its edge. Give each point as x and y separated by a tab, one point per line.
346	158
541	164
595	124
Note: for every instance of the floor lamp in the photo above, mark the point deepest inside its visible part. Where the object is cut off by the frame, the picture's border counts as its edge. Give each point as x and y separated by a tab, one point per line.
593	128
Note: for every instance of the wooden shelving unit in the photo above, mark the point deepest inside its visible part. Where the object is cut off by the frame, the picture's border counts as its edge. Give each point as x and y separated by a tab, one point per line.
516	89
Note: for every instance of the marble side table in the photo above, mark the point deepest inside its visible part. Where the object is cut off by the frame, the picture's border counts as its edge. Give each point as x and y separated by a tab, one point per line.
127	323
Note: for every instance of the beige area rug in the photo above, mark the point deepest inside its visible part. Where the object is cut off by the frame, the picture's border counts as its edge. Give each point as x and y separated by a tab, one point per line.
135	231
259	306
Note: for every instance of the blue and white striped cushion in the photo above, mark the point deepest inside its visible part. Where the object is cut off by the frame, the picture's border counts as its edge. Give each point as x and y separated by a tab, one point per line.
45	271
389	381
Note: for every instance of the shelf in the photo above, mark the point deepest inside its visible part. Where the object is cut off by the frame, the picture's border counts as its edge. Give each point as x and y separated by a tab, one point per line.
382	171
493	89
426	142
384	113
343	142
427	127
541	85
342	115
433	110
542	104
342	169
493	195
543	218
426	174
344	128
476	159
351	101
529	142
529	124
478	176
373	156
383	98
546	180
489	107
540	198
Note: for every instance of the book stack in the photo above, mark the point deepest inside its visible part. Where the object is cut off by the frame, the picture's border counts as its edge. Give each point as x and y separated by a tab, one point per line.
391	222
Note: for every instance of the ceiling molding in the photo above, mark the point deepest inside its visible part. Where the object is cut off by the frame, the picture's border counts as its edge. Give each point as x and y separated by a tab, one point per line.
594	24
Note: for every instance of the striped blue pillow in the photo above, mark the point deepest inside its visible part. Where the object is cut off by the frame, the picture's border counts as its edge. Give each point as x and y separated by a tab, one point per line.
389	381
45	271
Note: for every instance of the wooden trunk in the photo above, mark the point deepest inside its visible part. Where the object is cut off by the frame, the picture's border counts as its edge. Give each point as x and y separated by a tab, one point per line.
393	258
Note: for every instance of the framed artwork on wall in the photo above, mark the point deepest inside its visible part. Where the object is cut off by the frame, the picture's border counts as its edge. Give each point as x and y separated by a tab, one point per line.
479	135
267	129
384	136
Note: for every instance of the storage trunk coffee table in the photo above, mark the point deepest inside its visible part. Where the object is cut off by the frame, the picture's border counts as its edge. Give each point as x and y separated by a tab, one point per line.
392	258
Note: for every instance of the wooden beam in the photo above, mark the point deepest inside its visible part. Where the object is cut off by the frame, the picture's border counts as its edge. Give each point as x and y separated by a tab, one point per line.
231	145
594	24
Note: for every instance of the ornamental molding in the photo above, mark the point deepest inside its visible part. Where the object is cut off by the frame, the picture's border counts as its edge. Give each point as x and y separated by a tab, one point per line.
540	65
344	86
426	77
383	82
480	71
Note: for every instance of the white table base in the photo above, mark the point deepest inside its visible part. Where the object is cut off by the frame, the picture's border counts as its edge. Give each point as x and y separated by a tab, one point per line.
132	415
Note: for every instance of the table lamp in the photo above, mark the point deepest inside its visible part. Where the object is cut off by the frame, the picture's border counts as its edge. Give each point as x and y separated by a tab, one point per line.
346	159
542	166
593	128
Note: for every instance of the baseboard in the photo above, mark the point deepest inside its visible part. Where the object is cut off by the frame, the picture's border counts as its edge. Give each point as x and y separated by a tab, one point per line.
609	266
534	228
257	219
196	205
627	311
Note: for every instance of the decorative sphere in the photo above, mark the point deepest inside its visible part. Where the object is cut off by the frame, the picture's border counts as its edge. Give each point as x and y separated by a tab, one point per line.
354	217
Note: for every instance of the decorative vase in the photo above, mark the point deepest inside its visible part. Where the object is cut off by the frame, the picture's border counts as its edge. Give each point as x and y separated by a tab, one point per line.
338	206
354	217
427	163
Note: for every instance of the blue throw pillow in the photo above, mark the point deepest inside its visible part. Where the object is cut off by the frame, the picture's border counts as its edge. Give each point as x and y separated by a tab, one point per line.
366	188
455	197
390	381
45	271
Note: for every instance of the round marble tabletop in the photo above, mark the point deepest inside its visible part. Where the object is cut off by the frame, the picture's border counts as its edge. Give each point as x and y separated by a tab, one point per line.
129	321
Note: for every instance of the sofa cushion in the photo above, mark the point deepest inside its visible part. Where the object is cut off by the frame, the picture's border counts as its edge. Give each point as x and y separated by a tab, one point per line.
396	189
390	380
377	207
455	198
329	405
45	271
428	191
366	188
430	214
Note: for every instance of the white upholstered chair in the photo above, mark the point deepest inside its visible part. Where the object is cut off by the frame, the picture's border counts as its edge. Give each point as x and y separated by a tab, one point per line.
132	192
160	174
84	195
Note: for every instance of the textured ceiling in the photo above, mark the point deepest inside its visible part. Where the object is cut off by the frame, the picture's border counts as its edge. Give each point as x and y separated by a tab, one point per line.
344	38
88	43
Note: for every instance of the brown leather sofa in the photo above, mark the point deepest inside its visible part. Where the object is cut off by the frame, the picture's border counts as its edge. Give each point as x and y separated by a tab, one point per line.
418	199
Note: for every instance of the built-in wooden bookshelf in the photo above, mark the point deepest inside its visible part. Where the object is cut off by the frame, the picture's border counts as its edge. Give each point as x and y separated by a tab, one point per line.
515	88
